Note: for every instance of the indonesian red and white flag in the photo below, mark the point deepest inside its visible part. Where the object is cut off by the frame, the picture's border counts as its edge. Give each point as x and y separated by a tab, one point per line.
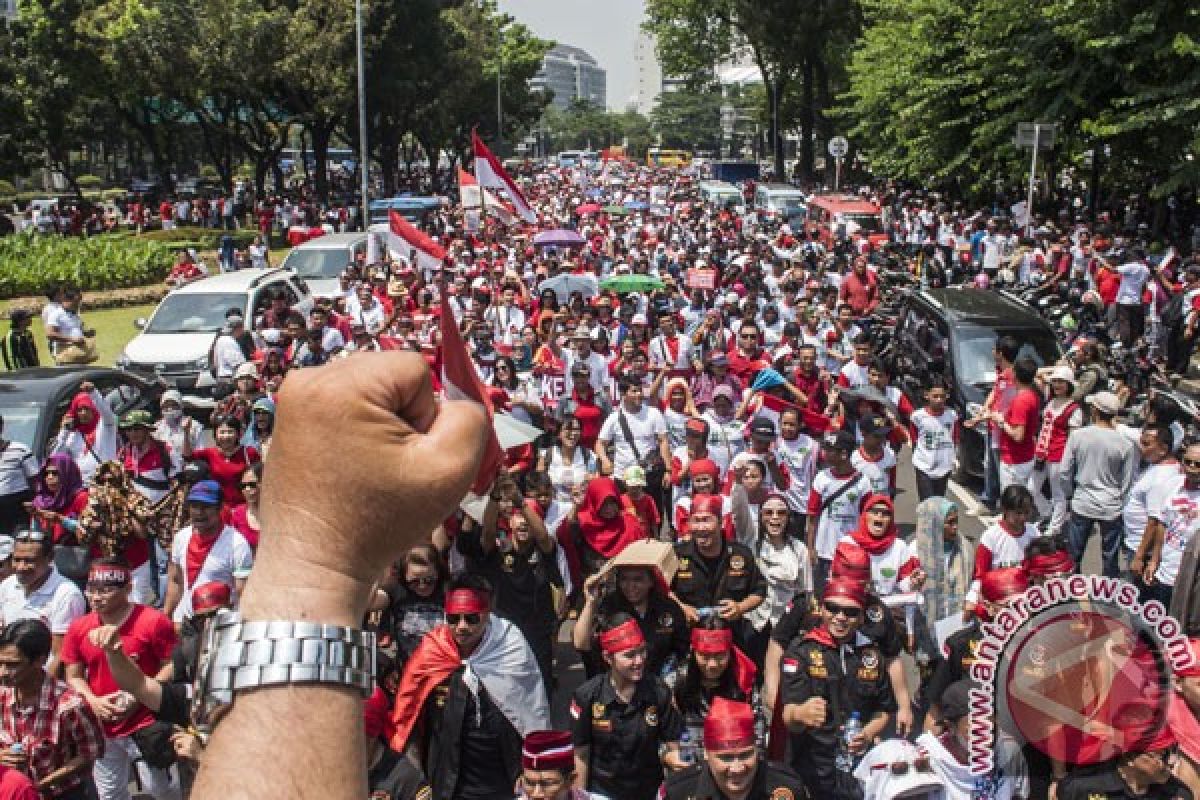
460	381
406	239
469	191
770	406
491	175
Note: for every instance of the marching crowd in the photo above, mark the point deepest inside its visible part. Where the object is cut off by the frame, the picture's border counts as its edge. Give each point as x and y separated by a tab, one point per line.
709	509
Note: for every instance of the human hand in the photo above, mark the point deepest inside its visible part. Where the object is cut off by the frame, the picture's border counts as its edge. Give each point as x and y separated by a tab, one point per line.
904	720
17	761
108	708
399	455
729	610
857	743
186	745
812	711
690	614
106	637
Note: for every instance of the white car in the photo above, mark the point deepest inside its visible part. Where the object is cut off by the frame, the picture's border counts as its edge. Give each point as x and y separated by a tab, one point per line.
176	343
319	261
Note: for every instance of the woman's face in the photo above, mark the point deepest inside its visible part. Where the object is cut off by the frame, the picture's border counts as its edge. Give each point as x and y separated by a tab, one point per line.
722	406
227	436
753	477
51	478
774	515
1016	519
569	435
529	336
1061	388
609	509
249	486
712	665
703	484
950	526
421	579
879	519
678	400
84	416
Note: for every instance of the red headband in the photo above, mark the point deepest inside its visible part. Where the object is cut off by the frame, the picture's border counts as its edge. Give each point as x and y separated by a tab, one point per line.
466	601
710	642
108	575
846	589
548	750
998	585
1057	563
707	504
729	726
625	636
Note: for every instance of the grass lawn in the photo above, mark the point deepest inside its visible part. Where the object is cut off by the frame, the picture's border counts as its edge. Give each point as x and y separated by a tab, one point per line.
114	329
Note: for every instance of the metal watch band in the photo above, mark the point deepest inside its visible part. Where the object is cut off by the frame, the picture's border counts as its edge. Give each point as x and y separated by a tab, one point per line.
249	655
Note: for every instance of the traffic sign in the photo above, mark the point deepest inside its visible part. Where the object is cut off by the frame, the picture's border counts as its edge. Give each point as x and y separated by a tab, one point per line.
1042	132
838	147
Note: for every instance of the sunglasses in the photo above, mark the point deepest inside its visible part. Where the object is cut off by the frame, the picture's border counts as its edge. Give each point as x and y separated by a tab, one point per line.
427	580
918	764
31	536
1191	462
849	612
470	619
50	472
249	484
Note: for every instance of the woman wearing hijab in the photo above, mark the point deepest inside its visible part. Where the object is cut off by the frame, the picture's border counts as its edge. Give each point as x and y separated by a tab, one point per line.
60	498
262	425
947	563
181	433
715	668
89	431
605	528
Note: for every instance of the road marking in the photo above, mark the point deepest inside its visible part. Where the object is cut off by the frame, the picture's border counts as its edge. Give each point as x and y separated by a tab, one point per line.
968	499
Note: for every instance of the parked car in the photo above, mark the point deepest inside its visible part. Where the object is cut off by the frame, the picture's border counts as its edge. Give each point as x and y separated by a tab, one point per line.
34	400
953	332
176	343
319	261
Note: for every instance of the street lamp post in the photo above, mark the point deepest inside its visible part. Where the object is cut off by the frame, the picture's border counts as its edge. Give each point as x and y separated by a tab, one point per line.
364	157
728	119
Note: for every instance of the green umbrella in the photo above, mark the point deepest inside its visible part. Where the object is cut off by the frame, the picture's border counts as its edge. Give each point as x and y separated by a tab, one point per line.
631	283
616	211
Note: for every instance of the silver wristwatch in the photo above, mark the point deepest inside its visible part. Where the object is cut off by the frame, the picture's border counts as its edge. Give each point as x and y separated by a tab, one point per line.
237	655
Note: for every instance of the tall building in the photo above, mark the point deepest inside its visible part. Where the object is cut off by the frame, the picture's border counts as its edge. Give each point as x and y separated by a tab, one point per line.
572	74
649	73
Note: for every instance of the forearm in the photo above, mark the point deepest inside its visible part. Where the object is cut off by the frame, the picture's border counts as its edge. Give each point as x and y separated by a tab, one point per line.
145	690
74	766
899	680
321	757
875	727
581	633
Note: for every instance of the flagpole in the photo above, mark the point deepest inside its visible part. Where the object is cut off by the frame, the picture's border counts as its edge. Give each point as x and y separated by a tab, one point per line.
364	156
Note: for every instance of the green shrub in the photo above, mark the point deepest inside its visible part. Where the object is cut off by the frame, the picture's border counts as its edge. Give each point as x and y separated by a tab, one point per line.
28	261
200	238
7	189
209	172
89	182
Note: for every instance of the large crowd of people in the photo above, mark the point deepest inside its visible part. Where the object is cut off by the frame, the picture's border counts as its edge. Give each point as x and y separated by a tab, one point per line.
697	581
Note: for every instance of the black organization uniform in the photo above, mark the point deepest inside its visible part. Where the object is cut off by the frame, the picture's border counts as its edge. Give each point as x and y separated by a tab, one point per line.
624	738
394	777
1102	782
522	584
771	782
850	677
472	751
704	582
878	625
664	627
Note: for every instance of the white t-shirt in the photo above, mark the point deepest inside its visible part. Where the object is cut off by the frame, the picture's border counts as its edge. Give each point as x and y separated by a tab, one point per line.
1006	550
646	425
506	323
933	449
878	472
798	458
840	517
18	468
67	323
227	356
1179	512
1009	780
886	566
1133	279
660	352
1151	489
229	559
57	602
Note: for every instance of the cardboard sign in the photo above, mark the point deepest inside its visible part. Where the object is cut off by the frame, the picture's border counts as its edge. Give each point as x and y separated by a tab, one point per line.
554	385
701	279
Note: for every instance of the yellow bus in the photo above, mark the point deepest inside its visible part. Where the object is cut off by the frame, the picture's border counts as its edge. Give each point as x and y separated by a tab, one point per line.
658	157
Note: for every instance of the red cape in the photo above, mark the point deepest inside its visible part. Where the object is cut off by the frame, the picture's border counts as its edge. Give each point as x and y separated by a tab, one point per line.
434	660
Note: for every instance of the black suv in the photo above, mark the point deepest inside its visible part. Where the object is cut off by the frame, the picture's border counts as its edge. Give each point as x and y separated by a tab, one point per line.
952	332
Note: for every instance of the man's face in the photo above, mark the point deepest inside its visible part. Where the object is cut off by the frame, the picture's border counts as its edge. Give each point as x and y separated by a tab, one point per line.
704	527
108	599
806	359
835	457
747	338
468	629
845	317
509	296
733	771
633	396
841	617
16	669
1151	451
789	426
205	518
546	784
862	354
1191	465
666	324
634	584
30	563
630	664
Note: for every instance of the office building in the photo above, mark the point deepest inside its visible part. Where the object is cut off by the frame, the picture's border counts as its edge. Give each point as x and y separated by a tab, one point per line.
572	74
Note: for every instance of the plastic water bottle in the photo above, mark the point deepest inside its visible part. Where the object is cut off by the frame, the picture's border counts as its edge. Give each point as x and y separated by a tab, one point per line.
687	748
852	728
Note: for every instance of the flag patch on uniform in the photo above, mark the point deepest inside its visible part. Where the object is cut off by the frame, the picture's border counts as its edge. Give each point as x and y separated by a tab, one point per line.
790	665
574	710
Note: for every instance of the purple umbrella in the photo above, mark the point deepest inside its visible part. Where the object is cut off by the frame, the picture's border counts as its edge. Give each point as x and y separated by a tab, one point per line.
558	238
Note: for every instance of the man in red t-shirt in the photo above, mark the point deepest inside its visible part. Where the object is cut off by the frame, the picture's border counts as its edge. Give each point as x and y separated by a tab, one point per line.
1018	427
860	289
148	638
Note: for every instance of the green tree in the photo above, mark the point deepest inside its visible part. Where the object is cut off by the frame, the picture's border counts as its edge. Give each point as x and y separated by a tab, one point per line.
689	118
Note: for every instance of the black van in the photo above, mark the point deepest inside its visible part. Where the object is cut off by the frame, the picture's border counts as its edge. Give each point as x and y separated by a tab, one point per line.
952	332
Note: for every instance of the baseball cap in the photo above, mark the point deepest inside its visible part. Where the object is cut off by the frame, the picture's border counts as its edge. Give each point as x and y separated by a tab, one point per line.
1063	373
206	492
696	426
873	425
839	440
956	700
247	370
762	426
1105	402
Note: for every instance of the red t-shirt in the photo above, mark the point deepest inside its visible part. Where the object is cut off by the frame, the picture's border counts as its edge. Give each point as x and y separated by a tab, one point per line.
1025	410
147	637
15	786
228	471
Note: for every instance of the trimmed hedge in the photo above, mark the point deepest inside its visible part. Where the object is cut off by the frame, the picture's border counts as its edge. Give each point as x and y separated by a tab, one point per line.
29	261
200	238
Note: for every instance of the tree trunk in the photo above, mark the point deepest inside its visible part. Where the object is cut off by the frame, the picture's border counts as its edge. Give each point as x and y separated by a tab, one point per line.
807	113
321	131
